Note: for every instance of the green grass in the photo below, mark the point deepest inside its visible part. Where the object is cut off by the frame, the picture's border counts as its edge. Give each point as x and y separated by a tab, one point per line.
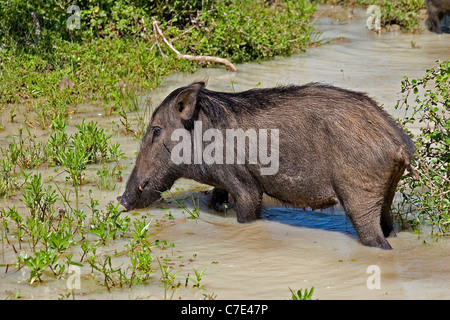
299	295
99	65
95	67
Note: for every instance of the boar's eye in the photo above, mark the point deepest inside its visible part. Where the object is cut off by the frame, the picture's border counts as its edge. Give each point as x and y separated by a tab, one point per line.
156	132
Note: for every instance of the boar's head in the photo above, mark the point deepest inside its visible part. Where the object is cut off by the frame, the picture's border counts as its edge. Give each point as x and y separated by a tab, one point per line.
154	171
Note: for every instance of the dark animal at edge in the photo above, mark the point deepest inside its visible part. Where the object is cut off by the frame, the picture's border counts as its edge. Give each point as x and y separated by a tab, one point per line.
437	9
336	146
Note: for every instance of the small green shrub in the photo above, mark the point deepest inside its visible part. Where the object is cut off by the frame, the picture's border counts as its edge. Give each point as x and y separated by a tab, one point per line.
249	30
428	197
38	200
109	224
27	153
74	161
38	262
299	295
7	178
93	140
58	141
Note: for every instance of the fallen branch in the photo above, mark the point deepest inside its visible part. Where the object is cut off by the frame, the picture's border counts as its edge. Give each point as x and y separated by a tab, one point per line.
224	61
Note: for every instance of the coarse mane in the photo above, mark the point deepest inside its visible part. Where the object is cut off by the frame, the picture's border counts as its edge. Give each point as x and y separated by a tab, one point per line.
216	104
245	101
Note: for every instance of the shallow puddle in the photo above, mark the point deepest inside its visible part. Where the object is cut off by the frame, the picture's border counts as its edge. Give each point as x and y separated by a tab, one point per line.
286	248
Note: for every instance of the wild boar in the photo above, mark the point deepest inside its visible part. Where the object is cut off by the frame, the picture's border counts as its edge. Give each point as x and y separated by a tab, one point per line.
327	146
437	9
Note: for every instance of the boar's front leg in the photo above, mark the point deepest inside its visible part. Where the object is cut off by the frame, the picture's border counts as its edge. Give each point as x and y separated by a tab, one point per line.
248	206
247	196
219	197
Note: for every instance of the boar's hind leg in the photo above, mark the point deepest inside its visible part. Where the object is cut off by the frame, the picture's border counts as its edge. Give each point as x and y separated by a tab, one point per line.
365	212
385	219
386	223
401	161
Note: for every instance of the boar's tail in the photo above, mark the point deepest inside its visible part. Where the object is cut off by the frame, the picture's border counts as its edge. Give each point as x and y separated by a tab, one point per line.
403	158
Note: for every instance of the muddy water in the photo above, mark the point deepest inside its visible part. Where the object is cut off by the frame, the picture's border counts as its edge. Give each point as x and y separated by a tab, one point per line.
287	248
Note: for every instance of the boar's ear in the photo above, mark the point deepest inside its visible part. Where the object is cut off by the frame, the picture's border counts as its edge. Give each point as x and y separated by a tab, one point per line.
186	100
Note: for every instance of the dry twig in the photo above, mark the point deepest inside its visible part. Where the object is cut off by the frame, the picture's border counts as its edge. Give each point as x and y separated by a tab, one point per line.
224	61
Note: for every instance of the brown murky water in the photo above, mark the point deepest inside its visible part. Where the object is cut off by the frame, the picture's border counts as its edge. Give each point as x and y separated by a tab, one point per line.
287	248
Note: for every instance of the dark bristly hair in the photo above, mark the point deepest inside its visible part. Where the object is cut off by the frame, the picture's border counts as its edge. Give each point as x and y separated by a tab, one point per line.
217	105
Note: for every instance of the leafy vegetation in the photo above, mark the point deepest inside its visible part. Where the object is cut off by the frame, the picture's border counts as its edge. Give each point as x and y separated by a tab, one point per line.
427	110
243	33
115	43
45	238
46	234
106	18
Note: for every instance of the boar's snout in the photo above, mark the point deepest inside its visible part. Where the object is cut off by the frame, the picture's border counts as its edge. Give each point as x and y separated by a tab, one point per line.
124	202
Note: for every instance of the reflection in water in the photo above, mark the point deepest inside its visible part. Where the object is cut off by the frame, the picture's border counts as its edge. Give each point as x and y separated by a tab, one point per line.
323	219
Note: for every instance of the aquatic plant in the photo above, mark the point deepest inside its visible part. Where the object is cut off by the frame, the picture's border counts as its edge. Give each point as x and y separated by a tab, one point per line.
112	276
299	295
27	153
74	161
168	279
194	213
108	224
92	140
108	177
58	140
7	178
38	262
140	249
198	278
38	200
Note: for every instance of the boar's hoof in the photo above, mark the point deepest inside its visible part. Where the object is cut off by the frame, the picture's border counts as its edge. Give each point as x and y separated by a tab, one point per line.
380	242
